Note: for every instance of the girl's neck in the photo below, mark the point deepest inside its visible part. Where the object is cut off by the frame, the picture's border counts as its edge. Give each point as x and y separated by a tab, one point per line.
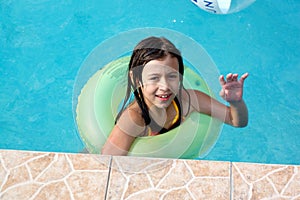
159	115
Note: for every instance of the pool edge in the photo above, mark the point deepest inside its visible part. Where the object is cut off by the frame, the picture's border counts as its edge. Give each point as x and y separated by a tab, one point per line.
44	175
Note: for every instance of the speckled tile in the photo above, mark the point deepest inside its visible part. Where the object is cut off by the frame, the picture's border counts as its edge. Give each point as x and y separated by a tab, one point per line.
265	181
41	175
38	175
147	178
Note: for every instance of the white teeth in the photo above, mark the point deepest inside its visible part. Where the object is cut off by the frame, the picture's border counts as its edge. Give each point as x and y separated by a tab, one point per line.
163	96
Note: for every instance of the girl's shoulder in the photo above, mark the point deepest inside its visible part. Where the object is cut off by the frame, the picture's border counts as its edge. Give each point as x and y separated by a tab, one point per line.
187	107
193	100
133	114
131	121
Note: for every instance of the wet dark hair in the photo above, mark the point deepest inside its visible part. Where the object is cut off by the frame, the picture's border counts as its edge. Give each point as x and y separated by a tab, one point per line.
151	48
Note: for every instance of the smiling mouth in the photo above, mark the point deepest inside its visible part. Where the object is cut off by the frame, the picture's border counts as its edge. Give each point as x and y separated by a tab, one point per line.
164	97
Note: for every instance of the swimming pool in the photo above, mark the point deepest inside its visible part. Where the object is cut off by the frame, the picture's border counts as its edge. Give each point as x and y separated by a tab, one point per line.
44	44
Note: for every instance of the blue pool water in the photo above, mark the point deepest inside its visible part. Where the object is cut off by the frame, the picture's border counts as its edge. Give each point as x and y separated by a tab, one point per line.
43	45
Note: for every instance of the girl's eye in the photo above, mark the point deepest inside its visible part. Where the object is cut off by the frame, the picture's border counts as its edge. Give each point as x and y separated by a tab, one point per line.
153	78
173	76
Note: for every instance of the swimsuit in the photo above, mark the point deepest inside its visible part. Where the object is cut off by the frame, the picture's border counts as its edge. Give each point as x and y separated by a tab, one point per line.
155	129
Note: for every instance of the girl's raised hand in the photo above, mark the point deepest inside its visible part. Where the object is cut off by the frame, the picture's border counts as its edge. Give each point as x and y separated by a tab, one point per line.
232	88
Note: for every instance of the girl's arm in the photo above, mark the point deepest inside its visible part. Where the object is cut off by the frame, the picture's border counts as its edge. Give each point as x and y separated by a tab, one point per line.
236	114
128	127
232	92
118	143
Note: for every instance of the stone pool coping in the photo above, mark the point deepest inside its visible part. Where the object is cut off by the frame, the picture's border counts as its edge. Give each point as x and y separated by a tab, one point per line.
47	175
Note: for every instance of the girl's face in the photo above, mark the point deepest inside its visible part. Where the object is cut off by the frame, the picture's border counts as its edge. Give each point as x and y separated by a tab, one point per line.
161	81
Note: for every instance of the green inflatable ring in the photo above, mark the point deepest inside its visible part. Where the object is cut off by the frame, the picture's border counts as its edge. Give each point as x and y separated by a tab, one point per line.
98	106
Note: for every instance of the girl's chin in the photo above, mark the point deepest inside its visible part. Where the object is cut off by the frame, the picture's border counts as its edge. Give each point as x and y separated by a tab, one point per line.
163	103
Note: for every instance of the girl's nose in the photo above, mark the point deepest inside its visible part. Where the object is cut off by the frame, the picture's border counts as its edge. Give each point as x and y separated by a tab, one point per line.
163	84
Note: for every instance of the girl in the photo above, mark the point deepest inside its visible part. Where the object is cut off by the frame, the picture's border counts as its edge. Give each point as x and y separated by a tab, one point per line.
161	103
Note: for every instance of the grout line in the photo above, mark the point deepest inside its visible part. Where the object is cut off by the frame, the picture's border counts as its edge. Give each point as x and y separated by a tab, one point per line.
108	177
231	181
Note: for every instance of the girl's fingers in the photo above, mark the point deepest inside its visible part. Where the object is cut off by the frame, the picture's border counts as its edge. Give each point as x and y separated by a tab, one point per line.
232	77
229	77
243	77
235	77
222	80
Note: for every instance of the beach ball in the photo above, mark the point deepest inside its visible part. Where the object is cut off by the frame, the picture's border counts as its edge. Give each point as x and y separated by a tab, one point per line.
222	6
